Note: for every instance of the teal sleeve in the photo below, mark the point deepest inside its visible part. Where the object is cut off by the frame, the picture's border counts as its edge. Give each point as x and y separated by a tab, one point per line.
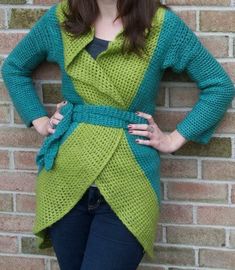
187	53
17	68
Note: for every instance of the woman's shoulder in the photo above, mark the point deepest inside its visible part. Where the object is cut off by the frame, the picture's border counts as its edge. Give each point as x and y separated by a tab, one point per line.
49	17
166	18
173	21
170	23
60	9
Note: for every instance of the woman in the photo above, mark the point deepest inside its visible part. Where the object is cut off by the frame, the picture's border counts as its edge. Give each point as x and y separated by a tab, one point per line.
98	192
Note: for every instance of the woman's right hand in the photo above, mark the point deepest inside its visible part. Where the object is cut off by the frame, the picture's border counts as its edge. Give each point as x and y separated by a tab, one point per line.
42	124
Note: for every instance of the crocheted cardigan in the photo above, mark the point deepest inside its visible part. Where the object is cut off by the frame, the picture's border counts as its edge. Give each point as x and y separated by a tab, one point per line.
92	142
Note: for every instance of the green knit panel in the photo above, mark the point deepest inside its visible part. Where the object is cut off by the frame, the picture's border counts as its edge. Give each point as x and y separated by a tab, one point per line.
130	194
79	161
121	180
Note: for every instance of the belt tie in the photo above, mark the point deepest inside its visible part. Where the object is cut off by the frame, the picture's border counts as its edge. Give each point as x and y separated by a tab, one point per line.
92	114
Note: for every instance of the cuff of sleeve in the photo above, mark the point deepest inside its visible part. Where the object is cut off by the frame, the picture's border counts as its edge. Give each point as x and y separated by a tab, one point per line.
202	138
28	121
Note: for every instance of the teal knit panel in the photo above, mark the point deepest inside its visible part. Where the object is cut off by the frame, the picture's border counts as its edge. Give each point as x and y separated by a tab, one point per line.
34	48
150	168
186	52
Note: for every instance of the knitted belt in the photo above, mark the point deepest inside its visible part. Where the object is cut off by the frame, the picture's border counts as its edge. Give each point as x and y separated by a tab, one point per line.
92	114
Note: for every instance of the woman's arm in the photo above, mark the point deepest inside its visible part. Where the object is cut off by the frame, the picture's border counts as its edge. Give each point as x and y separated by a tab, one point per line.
186	52
17	68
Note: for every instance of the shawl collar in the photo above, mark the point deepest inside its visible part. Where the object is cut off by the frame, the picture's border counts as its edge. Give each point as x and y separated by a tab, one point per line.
73	45
77	59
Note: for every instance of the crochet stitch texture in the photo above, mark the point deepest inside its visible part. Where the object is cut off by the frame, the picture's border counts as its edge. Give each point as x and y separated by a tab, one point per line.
92	142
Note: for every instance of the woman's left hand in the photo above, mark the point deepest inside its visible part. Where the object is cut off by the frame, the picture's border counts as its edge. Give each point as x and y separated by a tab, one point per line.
156	138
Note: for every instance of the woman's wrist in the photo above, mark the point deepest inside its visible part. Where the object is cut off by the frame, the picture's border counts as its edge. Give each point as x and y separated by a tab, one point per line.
177	140
39	121
41	124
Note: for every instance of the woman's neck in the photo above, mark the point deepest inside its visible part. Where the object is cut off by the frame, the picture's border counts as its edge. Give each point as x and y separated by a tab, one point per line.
108	9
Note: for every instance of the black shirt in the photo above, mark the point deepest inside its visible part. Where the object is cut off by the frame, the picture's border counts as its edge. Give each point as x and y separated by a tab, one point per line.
96	46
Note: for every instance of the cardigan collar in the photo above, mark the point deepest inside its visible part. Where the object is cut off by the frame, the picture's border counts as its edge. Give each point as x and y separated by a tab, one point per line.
79	64
74	45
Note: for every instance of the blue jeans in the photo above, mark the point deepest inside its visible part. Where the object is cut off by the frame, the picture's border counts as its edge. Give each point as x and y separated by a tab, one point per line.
91	237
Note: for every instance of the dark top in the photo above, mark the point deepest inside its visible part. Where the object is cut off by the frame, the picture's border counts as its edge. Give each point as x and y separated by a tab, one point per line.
96	46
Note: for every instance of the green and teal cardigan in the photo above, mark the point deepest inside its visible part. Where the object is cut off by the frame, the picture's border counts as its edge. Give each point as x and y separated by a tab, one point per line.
92	142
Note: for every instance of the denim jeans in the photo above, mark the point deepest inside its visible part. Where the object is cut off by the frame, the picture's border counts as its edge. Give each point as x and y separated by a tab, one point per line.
91	237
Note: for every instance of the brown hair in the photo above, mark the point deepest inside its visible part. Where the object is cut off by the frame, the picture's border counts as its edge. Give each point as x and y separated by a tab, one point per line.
136	16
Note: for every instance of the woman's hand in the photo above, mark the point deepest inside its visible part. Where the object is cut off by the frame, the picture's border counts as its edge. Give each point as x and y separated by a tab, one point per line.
45	125
163	142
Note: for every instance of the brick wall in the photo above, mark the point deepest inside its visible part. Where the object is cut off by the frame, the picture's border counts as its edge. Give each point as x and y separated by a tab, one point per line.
197	224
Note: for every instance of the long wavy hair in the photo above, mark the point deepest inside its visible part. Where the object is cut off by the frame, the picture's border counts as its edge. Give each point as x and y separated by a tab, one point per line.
136	16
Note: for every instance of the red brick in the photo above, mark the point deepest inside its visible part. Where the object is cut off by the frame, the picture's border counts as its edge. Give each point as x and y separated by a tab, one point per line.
2	19
232	239
174	255
25	160
195	236
140	267
217	258
171	213
197	192
8	244
55	265
5	115
233	194
20	137
216	215
45	2
6	202
217	147
16	223
217	21
183	96
4	159
12	262
4	96
218	170
159	233
199	2
160	97
167	120
180	168
25	203
17	181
